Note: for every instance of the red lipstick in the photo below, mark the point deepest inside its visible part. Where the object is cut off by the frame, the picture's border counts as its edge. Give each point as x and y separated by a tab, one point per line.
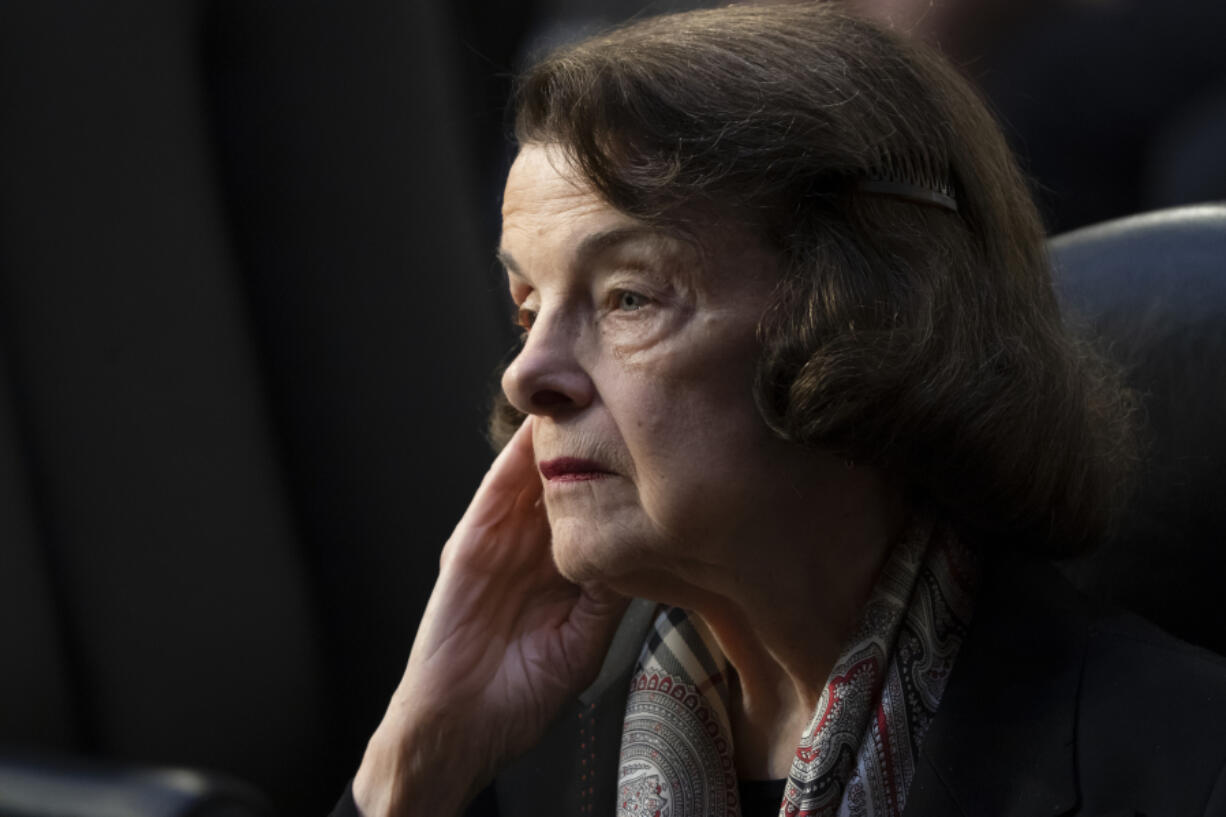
572	469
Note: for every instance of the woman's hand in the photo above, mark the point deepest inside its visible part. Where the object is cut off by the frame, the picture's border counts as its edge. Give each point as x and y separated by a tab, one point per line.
503	643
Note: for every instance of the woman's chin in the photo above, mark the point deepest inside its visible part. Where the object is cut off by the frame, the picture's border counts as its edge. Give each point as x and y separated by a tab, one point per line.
582	555
628	566
581	562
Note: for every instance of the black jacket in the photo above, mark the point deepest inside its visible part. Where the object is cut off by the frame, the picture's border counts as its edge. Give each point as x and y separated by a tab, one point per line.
1056	706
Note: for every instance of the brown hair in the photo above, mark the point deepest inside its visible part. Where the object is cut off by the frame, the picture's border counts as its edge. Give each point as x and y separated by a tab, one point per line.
903	335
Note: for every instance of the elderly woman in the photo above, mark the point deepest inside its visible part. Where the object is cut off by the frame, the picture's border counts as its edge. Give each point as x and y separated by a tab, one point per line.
795	380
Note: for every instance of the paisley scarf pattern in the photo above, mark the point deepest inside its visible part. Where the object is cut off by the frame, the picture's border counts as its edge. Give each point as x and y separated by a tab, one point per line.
858	754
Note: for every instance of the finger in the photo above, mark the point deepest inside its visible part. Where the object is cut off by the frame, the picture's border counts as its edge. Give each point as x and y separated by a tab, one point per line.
531	493
598	603
593	621
516	464
510	472
510	489
518	478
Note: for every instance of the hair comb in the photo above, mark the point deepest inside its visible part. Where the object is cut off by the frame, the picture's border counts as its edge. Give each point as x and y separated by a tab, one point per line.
918	178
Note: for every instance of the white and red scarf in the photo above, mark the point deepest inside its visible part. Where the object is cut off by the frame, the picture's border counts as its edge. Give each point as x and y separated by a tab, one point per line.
858	755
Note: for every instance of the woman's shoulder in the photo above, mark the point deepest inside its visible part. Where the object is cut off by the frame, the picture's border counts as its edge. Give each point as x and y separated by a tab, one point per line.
1152	717
1120	651
1128	670
1059	703
1126	650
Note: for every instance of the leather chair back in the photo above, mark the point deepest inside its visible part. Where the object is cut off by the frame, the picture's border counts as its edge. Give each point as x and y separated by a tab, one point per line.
1153	289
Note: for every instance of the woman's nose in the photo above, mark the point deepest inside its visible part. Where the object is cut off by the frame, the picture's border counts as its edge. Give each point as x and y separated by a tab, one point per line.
546	377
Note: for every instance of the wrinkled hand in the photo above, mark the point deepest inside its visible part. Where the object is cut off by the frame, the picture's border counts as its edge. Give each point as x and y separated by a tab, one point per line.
503	643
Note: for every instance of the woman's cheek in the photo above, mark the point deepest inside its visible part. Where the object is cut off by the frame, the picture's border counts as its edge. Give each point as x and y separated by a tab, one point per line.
641	334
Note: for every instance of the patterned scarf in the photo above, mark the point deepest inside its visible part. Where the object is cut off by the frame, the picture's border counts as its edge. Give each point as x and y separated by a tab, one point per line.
858	755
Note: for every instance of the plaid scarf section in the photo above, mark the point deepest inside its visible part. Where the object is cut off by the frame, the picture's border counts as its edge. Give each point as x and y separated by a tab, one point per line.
858	754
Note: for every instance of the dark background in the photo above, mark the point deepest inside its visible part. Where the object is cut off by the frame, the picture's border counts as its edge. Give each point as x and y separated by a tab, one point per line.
249	318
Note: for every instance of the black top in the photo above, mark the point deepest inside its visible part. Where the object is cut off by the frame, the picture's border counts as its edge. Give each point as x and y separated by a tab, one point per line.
1056	706
761	798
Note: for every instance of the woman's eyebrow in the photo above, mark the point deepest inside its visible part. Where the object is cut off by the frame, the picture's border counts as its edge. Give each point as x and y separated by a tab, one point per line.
596	244
508	262
599	243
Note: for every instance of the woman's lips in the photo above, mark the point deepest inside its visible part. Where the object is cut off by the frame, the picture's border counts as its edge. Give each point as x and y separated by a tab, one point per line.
572	469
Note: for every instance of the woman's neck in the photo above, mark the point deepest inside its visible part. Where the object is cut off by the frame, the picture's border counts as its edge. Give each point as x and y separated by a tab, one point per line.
782	619
781	602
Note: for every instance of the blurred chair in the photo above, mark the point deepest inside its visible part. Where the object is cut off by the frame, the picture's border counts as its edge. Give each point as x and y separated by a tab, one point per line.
1153	289
246	326
40	786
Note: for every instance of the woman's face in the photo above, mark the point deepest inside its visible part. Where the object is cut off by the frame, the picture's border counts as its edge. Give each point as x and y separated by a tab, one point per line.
638	365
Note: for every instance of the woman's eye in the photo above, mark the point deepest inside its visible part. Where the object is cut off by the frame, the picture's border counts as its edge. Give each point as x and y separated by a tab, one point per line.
628	301
524	318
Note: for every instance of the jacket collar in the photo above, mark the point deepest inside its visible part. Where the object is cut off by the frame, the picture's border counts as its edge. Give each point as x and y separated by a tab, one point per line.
1003	742
614	677
1004	739
573	769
